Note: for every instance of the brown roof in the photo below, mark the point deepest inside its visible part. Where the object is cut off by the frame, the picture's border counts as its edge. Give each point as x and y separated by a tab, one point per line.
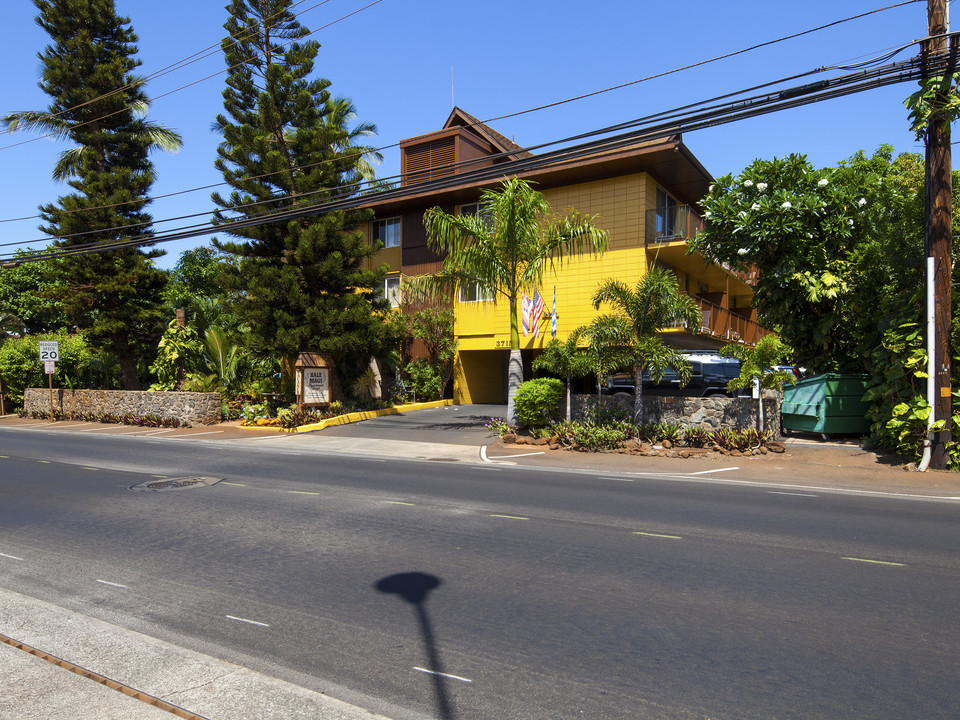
465	119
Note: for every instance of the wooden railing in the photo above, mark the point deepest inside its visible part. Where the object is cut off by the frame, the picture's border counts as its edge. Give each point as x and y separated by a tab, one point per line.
721	323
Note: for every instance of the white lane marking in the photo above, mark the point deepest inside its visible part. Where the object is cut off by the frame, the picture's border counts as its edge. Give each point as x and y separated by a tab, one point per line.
658	535
507	457
244	620
12	557
873	562
777	492
434	672
618	479
707	472
511	517
111	584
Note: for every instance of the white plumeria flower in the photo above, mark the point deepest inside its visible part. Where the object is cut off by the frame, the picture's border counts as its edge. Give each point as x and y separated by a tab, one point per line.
708	214
786	205
755	206
761	186
748	183
823	182
742	251
861	202
850	223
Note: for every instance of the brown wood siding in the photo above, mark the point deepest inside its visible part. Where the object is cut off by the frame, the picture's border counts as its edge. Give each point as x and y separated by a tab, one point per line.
416	252
428	160
470	149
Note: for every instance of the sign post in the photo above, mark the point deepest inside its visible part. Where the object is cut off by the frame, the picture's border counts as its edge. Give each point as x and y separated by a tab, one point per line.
49	354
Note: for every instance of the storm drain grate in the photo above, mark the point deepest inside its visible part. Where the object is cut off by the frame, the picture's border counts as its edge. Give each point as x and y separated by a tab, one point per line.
181	483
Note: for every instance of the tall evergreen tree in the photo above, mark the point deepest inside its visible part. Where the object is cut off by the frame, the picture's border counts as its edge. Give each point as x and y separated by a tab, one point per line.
287	144
99	105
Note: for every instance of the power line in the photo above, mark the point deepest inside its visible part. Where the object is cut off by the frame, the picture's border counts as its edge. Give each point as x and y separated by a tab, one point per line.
460	167
184	87
542	107
776	101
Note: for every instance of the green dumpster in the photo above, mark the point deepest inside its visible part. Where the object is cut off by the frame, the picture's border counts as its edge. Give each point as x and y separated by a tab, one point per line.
826	404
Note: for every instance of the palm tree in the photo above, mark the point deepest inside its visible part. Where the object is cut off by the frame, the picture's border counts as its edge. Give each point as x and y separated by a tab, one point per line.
565	360
71	161
608	346
757	365
506	248
339	113
654	304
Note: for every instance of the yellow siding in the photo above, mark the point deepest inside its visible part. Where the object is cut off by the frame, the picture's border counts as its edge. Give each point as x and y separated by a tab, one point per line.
619	205
393	257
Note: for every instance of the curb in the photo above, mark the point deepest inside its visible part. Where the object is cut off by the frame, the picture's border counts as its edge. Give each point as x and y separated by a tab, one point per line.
352	417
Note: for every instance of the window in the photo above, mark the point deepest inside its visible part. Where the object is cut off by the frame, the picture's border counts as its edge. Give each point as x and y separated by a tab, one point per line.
474	209
666	214
391	290
387	231
474	292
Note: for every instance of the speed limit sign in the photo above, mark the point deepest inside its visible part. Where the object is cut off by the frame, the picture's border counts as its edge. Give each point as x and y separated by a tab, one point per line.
49	351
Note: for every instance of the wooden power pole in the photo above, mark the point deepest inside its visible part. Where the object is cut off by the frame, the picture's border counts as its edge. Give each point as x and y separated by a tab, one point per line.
939	229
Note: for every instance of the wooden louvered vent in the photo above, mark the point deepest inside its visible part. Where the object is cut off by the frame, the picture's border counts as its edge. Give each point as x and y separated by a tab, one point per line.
429	160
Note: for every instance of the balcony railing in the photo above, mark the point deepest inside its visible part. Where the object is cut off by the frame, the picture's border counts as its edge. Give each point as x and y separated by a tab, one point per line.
721	323
681	222
678	222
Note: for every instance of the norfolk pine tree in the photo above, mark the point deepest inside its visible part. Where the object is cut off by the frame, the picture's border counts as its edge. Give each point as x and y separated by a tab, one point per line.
304	282
99	105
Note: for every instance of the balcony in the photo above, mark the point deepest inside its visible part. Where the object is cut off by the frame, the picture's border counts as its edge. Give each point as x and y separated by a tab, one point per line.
672	223
720	323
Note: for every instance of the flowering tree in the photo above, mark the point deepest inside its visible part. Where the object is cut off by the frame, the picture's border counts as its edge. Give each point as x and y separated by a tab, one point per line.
799	226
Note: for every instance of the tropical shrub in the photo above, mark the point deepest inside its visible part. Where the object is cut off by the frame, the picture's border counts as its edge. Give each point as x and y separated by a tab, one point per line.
425	381
537	402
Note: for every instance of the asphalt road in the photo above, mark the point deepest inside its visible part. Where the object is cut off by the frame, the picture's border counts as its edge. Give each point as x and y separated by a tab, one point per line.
537	594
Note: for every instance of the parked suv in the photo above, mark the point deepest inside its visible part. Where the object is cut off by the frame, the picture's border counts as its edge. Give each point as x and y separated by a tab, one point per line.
709	375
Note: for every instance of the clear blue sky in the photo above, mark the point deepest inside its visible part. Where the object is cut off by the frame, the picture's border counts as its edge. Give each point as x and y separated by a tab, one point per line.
404	62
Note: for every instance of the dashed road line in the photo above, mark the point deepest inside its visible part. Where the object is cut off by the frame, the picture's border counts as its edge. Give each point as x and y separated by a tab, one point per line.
618	479
777	492
245	620
224	482
874	562
301	492
397	502
12	557
510	517
111	584
658	535
440	674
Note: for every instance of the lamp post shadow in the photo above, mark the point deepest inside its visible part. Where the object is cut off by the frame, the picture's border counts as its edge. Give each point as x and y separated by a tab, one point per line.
414	587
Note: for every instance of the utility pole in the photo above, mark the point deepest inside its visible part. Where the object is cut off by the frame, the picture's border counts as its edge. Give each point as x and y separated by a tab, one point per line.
939	229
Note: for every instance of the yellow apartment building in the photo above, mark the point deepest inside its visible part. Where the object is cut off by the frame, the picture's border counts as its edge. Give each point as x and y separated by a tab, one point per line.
642	194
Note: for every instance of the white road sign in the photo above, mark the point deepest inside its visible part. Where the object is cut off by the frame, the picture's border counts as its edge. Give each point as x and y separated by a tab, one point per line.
49	351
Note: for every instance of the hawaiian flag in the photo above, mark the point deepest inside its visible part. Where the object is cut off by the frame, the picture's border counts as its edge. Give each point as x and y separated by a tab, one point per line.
537	312
525	306
553	315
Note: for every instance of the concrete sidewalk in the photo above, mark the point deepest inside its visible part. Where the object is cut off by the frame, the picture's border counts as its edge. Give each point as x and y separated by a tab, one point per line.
138	675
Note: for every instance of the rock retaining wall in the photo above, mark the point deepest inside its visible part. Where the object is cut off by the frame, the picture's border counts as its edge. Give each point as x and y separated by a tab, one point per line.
709	413
190	408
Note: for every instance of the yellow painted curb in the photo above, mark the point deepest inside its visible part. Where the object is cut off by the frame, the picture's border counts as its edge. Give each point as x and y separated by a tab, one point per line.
353	417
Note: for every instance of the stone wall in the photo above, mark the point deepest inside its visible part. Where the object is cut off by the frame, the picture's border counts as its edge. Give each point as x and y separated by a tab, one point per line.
709	413
190	408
